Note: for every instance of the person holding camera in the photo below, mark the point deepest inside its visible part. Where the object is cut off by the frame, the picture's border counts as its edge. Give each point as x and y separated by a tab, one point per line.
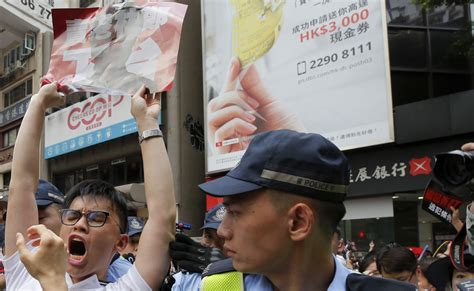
456	272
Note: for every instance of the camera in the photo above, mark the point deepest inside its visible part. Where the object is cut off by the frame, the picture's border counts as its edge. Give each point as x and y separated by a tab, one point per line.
454	169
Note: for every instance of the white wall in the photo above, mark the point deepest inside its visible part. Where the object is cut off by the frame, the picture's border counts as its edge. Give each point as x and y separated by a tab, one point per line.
369	208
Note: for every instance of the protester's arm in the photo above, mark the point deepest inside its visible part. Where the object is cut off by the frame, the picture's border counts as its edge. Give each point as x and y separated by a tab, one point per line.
470	210
3	283
48	263
22	212
456	220
152	261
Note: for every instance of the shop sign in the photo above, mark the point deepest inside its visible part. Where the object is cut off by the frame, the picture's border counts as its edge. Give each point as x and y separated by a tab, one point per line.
96	120
14	112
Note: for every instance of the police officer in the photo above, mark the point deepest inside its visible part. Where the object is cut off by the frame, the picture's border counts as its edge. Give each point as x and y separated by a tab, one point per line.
211	224
284	201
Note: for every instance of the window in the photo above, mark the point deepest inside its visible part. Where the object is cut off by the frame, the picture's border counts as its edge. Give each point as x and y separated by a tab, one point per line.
6	179
19	53
21	91
29	42
92	172
9	137
117	172
439	43
5	62
403	12
86	3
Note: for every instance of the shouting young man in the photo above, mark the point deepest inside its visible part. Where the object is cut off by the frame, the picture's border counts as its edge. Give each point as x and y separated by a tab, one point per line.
94	218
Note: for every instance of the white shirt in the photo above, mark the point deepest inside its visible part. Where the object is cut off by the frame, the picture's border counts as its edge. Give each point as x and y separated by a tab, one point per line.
18	278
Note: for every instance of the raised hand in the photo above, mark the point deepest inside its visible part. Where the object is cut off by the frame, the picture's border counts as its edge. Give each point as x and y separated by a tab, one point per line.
468	147
48	263
146	106
48	96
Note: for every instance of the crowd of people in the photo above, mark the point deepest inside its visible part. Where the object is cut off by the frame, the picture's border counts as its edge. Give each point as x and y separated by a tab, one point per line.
296	182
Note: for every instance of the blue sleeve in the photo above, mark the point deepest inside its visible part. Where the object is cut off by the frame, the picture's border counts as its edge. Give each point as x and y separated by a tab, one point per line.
257	282
186	282
117	269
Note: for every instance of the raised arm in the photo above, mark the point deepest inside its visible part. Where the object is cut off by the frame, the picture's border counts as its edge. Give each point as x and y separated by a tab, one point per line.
159	191
22	212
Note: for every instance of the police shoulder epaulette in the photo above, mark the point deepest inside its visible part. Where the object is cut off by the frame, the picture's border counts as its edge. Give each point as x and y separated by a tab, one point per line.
219	267
358	282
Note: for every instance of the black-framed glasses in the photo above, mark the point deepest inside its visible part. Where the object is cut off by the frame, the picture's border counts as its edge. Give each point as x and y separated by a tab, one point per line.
94	218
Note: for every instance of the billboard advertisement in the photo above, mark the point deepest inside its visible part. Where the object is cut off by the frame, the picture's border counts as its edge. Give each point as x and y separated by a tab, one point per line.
309	65
96	120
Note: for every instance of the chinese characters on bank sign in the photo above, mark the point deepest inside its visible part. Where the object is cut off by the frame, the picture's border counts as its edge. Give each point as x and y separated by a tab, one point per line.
115	49
316	65
400	169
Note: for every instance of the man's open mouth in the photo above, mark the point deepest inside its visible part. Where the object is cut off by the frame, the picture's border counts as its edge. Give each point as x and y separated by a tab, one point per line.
77	249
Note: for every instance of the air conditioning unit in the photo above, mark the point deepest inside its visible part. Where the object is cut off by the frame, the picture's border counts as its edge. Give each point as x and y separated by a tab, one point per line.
19	65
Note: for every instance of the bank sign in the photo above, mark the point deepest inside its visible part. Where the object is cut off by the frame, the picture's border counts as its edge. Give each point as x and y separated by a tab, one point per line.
96	120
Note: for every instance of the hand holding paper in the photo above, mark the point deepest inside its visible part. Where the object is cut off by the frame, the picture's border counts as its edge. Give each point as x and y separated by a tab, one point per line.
48	96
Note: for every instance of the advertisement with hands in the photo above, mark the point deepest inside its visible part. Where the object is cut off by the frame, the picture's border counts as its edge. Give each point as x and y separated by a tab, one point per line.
316	66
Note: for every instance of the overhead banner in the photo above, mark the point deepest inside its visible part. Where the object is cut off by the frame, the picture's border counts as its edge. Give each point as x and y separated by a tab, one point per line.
316	66
96	120
116	49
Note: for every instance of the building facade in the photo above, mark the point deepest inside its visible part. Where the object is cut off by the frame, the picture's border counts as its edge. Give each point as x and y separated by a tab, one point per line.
25	46
431	61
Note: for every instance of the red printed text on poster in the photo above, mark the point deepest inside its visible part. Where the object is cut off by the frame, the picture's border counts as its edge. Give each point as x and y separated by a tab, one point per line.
116	49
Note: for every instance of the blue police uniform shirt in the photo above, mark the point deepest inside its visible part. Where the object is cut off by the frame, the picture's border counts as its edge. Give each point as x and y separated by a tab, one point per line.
117	269
192	281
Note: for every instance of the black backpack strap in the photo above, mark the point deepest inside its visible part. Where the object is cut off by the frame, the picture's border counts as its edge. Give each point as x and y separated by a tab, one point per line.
219	267
358	282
